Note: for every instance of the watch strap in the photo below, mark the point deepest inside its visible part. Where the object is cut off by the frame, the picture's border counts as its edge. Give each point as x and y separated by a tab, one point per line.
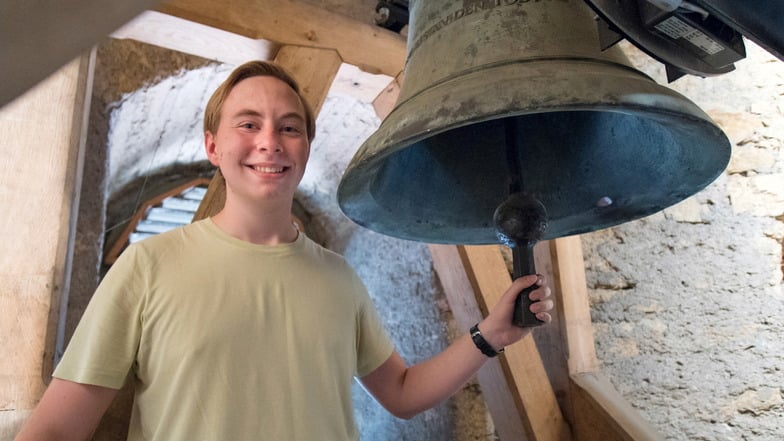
482	344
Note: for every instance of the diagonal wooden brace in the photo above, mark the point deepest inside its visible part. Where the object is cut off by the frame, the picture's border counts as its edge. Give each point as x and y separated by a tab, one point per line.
558	394
515	385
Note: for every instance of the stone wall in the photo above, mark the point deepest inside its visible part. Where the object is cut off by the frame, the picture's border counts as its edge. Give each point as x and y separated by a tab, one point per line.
687	304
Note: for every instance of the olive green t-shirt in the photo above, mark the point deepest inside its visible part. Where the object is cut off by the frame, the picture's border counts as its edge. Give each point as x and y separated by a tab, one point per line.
227	340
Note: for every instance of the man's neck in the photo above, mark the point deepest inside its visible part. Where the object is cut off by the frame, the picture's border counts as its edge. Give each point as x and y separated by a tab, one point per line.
262	226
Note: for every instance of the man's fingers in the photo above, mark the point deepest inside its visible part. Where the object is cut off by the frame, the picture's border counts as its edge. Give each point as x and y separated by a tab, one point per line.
541	293
545	317
542	306
529	280
518	285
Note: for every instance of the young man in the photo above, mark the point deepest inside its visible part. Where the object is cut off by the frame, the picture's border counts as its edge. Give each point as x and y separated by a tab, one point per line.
239	327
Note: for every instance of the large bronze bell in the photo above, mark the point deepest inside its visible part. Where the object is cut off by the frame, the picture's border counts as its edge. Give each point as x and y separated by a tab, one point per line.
514	96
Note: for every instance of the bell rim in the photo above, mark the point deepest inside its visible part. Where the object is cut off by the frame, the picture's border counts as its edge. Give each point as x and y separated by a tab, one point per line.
390	139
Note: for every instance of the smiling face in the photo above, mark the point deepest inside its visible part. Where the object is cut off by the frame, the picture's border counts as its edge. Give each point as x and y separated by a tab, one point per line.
261	143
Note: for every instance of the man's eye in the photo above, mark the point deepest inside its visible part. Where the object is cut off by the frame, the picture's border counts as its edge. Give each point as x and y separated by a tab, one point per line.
291	129
247	126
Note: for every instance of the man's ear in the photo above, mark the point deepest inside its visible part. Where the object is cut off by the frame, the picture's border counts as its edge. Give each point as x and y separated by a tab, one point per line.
211	148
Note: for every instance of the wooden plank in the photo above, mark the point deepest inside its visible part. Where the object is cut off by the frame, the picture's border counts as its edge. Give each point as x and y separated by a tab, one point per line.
550	339
314	70
521	362
185	36
37	228
509	424
572	302
385	102
369	47
523	373
604	415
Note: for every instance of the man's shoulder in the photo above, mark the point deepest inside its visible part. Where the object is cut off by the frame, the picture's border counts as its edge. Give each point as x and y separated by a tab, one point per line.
176	240
324	253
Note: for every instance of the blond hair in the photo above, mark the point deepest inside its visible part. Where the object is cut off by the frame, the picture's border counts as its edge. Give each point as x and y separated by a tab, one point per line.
212	113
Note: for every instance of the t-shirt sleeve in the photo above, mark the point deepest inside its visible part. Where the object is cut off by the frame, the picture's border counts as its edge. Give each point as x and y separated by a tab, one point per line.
103	348
373	343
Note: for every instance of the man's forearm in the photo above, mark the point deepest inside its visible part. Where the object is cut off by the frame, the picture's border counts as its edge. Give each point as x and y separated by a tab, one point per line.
406	391
67	411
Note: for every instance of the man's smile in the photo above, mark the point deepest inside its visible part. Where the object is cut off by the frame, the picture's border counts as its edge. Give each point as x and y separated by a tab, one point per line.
268	169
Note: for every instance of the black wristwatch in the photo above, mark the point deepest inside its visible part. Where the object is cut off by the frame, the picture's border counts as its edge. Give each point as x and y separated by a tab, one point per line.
482	344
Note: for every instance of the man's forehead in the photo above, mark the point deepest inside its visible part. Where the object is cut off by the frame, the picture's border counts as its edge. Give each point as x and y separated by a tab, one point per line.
262	90
265	84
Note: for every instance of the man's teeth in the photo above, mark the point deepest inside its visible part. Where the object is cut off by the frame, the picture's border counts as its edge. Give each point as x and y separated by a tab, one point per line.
268	169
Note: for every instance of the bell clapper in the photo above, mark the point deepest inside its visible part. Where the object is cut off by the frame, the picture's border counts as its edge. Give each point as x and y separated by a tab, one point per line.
520	223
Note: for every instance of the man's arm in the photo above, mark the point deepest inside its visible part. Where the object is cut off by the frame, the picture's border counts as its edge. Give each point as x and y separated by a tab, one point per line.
67	411
405	391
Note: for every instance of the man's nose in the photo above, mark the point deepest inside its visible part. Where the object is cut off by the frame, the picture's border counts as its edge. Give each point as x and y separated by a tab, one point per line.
268	139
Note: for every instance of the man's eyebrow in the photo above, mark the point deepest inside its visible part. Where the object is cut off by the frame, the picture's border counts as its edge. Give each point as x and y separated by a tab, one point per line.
251	112
296	115
246	112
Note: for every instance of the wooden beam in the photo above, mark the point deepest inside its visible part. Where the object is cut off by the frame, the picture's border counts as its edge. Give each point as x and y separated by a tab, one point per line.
298	23
571	291
188	37
39	183
518	395
604	415
385	102
550	339
525	372
314	70
499	398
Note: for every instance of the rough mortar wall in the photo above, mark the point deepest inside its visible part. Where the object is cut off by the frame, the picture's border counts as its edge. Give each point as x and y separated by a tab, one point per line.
687	304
